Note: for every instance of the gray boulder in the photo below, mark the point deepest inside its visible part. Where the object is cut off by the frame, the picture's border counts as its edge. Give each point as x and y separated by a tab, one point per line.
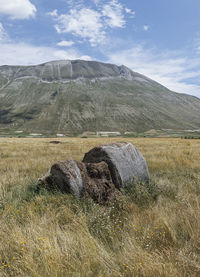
125	162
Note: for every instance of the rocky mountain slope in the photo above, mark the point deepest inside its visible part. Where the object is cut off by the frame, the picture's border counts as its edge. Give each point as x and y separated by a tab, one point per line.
77	96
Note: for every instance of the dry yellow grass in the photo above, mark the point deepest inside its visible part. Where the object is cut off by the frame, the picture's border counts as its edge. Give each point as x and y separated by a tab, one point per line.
146	232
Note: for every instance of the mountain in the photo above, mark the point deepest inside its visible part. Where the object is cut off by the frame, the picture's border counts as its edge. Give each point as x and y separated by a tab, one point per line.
77	96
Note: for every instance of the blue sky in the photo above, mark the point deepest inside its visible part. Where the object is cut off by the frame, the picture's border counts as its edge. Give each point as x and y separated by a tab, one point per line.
160	39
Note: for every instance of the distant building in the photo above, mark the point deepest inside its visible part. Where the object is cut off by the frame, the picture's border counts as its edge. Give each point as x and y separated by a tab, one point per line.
107	134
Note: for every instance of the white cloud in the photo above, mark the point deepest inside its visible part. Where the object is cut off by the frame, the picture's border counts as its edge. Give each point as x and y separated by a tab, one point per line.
96	1
76	3
53	13
113	11
129	11
91	24
171	69
65	43
25	54
17	9
3	34
86	58
197	44
85	23
146	27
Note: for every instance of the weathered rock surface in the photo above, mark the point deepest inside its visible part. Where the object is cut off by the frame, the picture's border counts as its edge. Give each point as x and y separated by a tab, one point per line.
125	162
82	179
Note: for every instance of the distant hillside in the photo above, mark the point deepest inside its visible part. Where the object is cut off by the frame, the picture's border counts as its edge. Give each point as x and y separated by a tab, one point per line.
77	96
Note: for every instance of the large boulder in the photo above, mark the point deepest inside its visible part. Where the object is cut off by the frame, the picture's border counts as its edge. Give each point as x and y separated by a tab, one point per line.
125	162
82	179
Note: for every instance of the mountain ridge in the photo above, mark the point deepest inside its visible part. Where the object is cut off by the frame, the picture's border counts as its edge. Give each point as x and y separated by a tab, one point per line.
68	65
74	96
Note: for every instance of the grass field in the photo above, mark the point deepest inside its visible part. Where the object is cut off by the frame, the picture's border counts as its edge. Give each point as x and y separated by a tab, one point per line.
148	231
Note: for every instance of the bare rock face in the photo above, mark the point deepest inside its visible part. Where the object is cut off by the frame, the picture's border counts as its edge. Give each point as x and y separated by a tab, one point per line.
82	179
125	162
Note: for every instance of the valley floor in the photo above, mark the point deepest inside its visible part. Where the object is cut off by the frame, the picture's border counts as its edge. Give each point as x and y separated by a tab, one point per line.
148	231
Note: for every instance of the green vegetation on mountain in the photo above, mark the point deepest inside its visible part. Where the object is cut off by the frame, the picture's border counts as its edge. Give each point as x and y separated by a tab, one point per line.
76	96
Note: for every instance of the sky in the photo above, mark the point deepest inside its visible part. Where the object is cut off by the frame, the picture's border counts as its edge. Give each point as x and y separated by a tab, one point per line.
157	38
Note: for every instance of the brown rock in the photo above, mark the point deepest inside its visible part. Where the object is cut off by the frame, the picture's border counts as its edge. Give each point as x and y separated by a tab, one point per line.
55	141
